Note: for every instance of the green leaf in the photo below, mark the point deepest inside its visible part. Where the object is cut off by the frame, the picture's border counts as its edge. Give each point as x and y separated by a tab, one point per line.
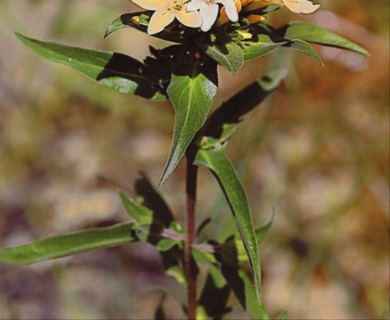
313	33
135	210
239	282
114	70
262	232
254	309
216	160
228	54
192	91
140	21
305	48
259	45
69	244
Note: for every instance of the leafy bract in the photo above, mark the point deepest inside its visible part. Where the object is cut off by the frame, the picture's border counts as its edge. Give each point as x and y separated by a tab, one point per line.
117	71
192	91
227	53
68	244
140	21
313	33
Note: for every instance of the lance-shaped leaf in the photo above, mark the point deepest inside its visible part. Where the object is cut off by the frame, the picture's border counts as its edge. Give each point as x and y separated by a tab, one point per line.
261	234
304	47
135	210
140	21
192	91
117	71
211	155
259	45
239	282
313	33
215	159
68	244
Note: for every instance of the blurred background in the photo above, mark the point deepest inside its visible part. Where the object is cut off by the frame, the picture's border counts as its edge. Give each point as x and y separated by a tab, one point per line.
317	152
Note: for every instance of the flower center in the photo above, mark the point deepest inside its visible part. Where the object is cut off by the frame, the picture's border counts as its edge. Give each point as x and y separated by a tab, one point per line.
176	5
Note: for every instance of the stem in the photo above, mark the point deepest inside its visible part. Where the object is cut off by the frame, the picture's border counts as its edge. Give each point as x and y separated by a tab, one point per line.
190	267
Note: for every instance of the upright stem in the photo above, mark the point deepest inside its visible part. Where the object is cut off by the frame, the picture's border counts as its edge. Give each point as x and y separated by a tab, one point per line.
190	268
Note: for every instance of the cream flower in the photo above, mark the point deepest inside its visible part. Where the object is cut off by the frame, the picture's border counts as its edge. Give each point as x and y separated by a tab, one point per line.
209	9
301	6
166	11
297	6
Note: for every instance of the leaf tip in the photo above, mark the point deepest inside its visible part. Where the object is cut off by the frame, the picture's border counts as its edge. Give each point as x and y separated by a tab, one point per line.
20	36
107	32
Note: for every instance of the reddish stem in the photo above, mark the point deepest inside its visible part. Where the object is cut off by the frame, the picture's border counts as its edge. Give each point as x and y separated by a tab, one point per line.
190	268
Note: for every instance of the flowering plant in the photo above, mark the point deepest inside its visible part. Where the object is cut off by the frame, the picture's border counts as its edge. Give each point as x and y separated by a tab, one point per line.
205	33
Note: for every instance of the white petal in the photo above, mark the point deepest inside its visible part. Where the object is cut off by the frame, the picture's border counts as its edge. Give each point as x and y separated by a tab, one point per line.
231	10
159	20
209	15
301	6
194	5
189	19
152	4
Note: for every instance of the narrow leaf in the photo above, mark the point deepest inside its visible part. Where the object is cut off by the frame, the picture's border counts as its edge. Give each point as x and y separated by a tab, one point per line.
239	282
216	160
135	210
305	48
262	232
255	309
313	33
192	91
117	71
259	45
68	244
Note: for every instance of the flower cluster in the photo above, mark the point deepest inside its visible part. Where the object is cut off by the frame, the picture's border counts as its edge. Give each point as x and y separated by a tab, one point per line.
204	13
